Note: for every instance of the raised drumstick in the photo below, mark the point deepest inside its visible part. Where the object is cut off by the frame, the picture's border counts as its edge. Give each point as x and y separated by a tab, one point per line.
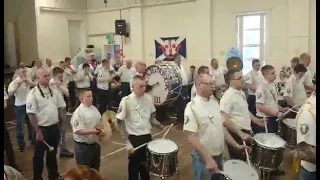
247	154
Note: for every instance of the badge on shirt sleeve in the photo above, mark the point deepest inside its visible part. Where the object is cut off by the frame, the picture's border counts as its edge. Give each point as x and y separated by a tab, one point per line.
76	123
259	95
304	129
119	109
288	90
186	120
29	106
100	75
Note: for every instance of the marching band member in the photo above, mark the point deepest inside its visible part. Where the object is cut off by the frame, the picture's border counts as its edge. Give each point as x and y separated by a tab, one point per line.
6	139
86	61
295	93
103	79
191	77
48	65
58	84
217	73
135	115
140	68
20	87
205	132
71	72
180	103
125	72
306	138
266	101
45	108
83	121
201	70
253	79
305	59
234	108
33	72
84	77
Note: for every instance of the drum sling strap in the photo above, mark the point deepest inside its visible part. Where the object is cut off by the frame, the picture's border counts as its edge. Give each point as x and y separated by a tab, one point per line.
296	159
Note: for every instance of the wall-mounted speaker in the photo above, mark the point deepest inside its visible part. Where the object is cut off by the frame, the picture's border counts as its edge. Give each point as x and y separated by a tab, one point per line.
90	46
120	27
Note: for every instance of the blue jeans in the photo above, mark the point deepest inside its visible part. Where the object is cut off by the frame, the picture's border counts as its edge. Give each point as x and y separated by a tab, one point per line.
199	166
305	175
21	117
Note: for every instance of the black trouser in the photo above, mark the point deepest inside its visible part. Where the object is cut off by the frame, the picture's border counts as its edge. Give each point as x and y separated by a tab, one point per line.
72	94
114	98
234	153
103	100
51	134
272	125
88	154
94	89
180	104
8	146
125	89
252	104
161	113
137	160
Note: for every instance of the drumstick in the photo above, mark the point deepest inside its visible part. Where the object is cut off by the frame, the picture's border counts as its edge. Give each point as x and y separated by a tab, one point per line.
139	147
265	124
225	175
293	111
50	147
167	131
287	112
247	154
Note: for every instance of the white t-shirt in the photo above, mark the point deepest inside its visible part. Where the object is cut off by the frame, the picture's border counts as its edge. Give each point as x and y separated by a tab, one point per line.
255	78
266	94
22	92
295	89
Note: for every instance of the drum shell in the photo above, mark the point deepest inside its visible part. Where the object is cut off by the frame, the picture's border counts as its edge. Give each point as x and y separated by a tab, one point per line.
266	157
168	163
289	134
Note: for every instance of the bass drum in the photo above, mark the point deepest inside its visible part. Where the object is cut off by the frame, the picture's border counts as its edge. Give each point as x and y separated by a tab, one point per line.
165	82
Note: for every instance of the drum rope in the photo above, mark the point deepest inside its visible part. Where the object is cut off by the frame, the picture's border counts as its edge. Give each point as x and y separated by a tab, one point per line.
265	124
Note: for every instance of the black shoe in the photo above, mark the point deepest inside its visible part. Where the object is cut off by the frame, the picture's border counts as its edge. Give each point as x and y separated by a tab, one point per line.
66	154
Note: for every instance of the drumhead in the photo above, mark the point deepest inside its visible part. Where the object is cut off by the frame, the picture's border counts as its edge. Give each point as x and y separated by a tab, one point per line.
162	146
239	170
269	140
290	122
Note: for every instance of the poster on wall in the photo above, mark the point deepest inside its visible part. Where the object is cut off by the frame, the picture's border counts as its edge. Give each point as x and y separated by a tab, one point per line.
167	47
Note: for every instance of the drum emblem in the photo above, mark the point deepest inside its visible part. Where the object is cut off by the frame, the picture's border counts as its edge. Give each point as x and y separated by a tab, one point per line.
304	129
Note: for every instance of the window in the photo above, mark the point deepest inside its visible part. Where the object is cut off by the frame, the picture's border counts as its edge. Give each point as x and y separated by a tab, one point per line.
251	34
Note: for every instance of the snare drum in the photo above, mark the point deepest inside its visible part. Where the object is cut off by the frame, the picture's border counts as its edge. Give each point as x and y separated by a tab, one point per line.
239	170
162	159
165	81
267	151
288	131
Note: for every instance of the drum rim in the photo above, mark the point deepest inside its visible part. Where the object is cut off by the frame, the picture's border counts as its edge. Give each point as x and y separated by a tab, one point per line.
270	148
169	92
157	153
282	121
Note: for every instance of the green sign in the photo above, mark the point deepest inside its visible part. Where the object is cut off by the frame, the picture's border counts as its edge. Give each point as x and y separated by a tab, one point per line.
110	36
111	42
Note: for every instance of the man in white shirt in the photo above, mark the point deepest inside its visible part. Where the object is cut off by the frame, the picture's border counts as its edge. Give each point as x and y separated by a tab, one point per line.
57	84
305	59
86	61
201	70
84	77
234	108
253	79
140	68
125	72
306	138
48	65
205	131
135	115
71	72
20	88
180	103
217	73
295	93
104	79
46	110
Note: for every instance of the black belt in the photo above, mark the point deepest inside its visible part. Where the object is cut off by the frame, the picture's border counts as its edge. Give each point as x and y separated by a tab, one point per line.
84	143
247	131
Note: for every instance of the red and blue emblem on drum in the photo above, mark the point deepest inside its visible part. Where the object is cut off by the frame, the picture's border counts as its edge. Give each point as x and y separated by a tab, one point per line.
165	81
169	46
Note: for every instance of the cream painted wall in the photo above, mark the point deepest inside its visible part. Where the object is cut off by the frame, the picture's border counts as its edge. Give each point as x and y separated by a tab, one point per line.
209	27
23	12
52	23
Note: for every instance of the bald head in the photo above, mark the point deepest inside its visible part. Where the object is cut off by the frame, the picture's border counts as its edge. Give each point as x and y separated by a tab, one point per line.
43	76
204	85
49	62
140	67
129	63
305	59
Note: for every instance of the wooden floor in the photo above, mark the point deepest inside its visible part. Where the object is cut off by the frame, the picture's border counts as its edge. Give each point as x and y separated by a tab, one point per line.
113	157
